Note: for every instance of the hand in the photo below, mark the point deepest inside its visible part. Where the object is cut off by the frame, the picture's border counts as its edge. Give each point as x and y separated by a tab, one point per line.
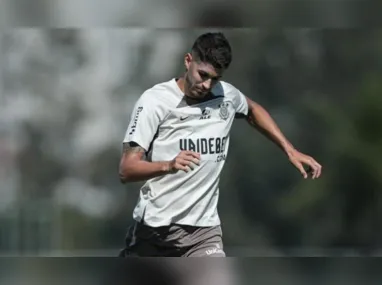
185	160
299	159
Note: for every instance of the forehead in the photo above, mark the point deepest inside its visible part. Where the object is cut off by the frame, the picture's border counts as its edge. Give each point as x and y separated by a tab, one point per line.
208	68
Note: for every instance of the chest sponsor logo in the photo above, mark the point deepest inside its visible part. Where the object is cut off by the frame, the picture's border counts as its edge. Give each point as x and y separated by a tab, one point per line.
205	146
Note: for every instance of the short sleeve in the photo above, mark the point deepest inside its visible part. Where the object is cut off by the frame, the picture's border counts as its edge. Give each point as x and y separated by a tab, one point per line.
144	121
240	103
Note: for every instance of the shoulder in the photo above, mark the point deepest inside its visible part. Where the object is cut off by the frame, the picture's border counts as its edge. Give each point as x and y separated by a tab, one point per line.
227	86
162	94
226	89
235	96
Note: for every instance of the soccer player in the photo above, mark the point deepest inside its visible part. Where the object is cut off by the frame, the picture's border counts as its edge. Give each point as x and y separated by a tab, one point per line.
177	141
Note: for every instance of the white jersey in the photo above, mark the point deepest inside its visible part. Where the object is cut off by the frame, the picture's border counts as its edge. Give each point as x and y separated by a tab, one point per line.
164	125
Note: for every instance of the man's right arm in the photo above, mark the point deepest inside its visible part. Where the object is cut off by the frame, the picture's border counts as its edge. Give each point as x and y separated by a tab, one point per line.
133	168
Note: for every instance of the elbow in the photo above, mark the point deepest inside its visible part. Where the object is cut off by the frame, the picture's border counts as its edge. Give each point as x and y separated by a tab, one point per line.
122	178
128	171
124	175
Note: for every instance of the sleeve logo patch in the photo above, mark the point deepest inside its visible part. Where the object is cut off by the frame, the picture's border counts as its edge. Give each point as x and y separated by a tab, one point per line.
134	125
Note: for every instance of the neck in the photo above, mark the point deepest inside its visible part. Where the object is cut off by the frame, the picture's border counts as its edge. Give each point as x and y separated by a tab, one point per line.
182	83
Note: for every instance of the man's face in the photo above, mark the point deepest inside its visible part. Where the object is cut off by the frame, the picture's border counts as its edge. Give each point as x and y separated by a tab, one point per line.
200	77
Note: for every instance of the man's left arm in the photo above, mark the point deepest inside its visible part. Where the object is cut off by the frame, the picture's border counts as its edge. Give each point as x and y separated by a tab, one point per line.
260	119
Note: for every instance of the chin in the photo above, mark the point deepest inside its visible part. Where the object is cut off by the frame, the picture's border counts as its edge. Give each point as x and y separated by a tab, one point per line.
200	95
195	95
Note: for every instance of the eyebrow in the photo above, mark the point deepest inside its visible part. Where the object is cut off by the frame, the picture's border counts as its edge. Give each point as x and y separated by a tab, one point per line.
209	74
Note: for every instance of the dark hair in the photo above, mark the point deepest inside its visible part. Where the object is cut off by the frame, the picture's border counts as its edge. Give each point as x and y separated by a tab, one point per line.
213	48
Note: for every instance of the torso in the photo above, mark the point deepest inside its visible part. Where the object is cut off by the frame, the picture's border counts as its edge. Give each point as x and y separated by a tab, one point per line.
188	198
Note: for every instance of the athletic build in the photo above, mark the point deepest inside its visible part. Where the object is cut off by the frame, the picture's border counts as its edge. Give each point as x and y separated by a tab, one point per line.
177	141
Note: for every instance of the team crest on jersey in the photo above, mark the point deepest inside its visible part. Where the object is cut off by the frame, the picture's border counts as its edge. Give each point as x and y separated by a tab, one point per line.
224	113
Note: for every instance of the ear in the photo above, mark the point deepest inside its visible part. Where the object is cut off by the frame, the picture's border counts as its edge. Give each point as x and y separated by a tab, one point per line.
187	60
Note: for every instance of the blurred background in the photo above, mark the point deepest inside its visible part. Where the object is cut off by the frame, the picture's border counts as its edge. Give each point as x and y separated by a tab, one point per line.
66	97
66	101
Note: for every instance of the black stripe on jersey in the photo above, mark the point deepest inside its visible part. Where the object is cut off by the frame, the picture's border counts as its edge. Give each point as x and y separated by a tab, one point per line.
152	142
240	116
187	101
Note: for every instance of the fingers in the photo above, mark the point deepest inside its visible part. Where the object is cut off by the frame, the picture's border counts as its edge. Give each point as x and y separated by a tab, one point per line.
191	159
188	164
300	167
183	167
187	161
319	170
315	168
190	153
190	156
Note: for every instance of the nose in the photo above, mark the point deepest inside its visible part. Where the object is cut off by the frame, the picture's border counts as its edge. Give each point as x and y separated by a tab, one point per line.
207	84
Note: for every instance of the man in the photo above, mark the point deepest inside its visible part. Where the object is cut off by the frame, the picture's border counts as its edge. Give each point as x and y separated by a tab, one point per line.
177	141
